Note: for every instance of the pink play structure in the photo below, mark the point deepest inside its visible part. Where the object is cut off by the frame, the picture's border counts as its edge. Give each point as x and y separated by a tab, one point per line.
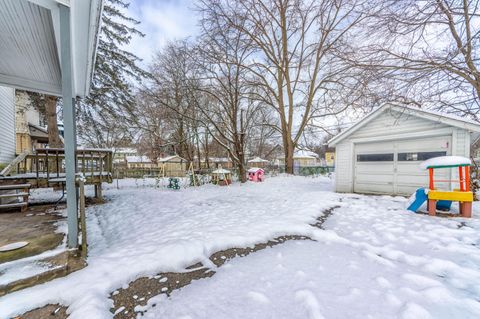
256	174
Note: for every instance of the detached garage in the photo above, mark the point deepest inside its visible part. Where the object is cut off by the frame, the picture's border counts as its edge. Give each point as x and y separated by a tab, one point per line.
381	153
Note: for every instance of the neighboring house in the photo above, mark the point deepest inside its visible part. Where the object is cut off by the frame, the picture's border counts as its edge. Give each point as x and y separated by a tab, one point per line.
301	159
139	162
381	153
31	129
172	164
120	154
7	127
257	162
215	162
330	157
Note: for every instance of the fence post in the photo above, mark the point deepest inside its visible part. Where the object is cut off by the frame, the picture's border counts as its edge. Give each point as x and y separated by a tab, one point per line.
83	221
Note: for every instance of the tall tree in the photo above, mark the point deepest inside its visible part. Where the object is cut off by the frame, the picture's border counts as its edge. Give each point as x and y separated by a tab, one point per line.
105	117
172	71
47	105
298	66
430	51
222	52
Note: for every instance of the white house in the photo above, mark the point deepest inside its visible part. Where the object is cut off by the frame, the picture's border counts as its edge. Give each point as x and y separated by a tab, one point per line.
7	127
301	158
49	46
381	153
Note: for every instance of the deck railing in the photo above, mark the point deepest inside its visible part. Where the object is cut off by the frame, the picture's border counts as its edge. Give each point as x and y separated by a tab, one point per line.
49	163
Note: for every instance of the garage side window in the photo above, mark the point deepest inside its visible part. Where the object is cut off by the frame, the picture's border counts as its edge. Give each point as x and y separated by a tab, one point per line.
387	157
419	156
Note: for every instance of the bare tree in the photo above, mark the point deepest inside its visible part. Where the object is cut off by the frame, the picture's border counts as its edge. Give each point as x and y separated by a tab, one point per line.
229	107
297	65
170	114
430	51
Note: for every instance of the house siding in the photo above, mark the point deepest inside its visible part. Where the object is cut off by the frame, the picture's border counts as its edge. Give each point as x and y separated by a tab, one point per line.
343	167
7	129
392	122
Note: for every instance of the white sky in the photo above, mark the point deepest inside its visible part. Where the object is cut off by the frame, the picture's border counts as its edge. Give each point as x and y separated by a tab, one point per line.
161	21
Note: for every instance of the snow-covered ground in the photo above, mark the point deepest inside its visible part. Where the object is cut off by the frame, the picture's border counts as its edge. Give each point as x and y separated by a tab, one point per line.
31	266
143	230
375	260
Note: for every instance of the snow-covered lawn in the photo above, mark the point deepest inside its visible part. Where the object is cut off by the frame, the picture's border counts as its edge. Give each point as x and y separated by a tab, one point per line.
143	230
374	260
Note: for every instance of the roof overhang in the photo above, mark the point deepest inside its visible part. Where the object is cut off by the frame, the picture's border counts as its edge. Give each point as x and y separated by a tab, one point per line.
421	113
30	44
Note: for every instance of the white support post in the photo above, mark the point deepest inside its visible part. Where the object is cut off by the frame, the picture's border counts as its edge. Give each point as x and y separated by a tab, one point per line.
69	123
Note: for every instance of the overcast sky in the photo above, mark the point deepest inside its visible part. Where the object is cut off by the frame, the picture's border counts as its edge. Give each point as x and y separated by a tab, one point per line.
161	21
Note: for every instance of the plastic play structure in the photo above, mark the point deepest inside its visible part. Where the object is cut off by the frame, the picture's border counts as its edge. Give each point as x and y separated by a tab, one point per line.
442	199
256	174
222	177
173	183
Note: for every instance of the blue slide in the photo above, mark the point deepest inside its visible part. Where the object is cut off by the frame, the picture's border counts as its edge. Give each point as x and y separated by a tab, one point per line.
420	196
417	199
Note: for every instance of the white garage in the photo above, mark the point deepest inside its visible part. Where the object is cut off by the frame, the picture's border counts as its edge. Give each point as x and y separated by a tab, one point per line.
381	153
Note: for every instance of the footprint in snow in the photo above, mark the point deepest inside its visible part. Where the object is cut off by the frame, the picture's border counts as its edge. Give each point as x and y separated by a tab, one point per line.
258	297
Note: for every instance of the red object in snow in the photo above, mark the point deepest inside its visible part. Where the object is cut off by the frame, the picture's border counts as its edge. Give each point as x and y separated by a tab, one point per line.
256	174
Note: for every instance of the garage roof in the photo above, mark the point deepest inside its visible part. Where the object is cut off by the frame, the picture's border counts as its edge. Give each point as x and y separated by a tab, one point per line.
448	119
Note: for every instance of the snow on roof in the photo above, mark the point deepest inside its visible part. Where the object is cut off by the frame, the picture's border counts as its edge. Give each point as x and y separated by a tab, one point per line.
436	116
214	159
219	159
445	161
304	154
258	160
255	169
124	150
221	171
169	158
137	159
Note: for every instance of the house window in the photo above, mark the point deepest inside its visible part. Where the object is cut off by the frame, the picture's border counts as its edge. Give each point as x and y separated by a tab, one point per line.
419	156
387	157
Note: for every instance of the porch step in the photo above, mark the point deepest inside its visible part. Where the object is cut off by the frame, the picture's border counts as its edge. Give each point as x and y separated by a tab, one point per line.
13	205
19	191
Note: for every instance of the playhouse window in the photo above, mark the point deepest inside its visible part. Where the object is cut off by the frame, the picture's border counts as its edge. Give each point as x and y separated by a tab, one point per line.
388	157
419	156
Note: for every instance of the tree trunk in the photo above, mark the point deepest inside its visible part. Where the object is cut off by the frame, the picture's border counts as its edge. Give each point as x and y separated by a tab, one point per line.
207	151
241	165
54	140
289	157
243	173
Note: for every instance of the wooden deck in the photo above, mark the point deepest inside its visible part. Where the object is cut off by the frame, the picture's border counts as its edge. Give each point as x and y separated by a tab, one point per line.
46	168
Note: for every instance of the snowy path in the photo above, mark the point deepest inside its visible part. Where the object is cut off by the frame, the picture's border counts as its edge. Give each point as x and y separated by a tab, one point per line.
143	231
384	263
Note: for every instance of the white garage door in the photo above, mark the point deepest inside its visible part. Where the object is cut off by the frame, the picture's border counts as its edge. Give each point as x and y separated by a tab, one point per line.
393	167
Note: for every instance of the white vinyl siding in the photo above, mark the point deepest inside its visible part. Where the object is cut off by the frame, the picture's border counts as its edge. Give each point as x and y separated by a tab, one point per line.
7	127
392	122
393	132
343	167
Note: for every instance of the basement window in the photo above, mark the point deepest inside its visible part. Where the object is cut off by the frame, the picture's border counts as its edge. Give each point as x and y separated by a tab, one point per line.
419	156
387	157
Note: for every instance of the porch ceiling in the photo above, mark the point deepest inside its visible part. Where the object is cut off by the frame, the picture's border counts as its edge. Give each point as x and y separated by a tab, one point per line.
28	49
30	44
